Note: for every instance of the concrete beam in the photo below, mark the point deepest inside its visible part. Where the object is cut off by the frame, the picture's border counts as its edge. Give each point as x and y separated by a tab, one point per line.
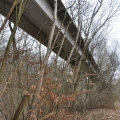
33	22
37	22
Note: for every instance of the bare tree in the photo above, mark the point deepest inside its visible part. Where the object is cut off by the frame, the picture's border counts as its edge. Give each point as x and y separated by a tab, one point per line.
49	83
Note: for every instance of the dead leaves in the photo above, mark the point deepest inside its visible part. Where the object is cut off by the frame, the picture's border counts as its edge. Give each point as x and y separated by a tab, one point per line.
102	114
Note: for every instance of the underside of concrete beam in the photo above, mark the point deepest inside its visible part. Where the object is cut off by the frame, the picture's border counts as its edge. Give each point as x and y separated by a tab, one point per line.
38	24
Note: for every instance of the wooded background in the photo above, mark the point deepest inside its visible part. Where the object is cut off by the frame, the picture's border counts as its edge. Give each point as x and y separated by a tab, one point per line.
36	83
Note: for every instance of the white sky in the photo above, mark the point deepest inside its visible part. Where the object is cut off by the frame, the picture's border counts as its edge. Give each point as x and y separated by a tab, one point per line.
117	28
115	25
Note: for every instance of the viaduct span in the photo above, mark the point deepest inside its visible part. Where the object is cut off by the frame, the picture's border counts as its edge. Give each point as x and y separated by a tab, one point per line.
37	22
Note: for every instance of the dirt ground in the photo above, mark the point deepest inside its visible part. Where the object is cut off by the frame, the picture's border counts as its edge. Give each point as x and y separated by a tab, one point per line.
94	114
103	114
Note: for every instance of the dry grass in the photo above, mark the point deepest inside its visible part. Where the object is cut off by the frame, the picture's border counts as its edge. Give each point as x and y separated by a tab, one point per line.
103	114
93	114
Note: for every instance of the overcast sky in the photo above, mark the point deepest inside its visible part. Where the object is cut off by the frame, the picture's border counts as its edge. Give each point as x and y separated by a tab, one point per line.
114	26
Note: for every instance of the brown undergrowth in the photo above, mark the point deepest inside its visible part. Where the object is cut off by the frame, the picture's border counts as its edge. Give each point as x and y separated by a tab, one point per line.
93	114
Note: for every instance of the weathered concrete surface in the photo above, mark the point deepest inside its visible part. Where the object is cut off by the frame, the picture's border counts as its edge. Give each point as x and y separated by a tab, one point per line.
37	21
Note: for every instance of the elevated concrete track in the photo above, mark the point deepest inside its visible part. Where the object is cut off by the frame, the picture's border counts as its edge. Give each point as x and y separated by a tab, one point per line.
37	22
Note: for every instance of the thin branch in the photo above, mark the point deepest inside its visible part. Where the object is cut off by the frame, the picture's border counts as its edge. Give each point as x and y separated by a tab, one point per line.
49	115
16	2
21	107
21	9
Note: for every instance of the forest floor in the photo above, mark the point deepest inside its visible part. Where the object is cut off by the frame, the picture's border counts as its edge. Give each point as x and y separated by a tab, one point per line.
96	114
93	114
103	114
